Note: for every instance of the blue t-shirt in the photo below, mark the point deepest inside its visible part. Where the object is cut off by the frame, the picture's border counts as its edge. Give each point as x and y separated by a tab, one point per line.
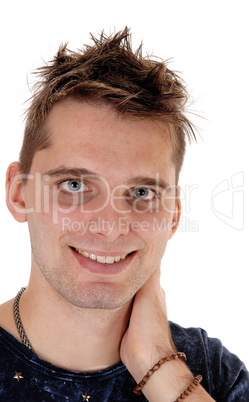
225	377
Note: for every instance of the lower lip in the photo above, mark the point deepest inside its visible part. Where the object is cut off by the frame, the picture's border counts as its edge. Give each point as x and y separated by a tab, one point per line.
100	268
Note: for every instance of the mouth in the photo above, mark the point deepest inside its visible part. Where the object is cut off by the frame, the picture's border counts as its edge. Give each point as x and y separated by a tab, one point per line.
101	258
102	264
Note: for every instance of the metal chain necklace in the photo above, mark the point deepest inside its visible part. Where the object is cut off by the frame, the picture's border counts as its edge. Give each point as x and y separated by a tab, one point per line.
23	335
18	321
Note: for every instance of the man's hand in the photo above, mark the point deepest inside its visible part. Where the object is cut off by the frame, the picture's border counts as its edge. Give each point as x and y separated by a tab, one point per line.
147	340
148	337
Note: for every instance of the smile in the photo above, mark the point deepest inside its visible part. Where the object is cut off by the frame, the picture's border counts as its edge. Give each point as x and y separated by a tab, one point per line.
101	258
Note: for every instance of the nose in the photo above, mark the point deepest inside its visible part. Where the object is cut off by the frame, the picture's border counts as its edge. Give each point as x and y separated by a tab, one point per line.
110	223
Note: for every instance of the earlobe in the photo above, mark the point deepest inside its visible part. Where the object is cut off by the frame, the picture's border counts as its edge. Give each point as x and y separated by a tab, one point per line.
14	192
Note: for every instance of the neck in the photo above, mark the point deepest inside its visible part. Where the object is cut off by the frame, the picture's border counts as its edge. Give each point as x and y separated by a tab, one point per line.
70	337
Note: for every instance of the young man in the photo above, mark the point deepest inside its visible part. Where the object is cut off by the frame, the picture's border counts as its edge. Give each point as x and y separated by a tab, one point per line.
97	183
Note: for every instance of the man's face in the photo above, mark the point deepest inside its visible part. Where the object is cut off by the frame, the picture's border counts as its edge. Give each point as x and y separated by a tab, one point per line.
101	200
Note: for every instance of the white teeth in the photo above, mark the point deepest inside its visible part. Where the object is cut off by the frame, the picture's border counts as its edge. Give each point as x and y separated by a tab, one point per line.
109	260
101	258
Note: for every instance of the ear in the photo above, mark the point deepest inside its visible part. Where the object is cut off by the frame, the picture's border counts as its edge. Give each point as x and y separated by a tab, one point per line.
177	213
15	192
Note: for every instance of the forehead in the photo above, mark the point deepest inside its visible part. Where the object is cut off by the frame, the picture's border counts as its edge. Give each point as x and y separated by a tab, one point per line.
96	137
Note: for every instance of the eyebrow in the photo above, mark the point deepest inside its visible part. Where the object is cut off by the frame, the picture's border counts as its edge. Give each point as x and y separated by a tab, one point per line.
75	172
83	172
149	181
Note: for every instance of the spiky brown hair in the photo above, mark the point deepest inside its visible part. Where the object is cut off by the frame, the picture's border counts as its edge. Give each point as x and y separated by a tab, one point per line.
109	71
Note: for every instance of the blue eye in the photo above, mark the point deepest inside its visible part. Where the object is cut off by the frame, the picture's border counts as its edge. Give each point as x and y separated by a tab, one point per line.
74	186
144	193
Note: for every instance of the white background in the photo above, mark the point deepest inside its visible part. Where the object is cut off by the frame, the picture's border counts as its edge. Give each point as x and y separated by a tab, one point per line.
205	269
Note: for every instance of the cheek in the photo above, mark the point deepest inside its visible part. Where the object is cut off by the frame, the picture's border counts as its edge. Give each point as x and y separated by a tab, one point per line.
154	226
45	228
42	231
155	230
72	224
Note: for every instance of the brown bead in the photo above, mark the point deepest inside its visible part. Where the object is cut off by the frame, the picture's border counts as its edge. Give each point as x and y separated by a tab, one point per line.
161	361
156	367
150	373
186	392
137	390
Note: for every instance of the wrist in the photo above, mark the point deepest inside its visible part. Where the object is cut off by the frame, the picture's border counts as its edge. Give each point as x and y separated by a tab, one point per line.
141	362
167	382
156	367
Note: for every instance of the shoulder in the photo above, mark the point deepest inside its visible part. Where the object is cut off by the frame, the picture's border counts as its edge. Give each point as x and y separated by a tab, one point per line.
193	342
225	376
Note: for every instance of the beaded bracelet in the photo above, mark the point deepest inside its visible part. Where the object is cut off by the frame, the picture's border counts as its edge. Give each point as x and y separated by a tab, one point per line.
191	388
178	355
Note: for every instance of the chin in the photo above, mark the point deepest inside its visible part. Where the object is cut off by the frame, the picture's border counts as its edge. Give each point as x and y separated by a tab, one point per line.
97	296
